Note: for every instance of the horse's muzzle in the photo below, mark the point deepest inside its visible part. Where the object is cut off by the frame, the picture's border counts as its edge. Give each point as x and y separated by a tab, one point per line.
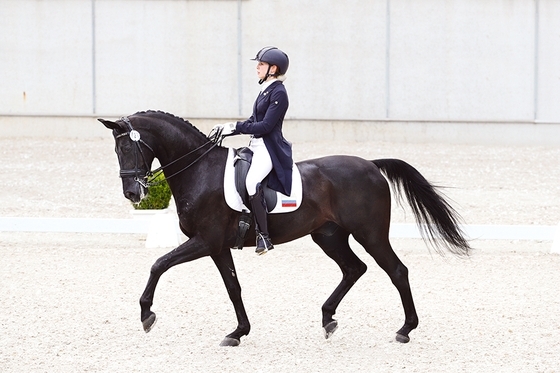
132	197
133	191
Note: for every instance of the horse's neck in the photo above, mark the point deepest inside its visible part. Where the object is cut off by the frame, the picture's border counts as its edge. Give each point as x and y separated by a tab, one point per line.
174	143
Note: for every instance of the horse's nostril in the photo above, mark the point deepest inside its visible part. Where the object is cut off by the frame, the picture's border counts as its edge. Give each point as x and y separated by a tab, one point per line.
130	196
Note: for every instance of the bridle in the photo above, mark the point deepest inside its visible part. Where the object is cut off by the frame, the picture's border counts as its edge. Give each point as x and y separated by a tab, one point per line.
144	176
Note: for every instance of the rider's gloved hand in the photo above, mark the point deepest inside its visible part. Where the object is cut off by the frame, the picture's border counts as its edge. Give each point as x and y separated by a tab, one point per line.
228	128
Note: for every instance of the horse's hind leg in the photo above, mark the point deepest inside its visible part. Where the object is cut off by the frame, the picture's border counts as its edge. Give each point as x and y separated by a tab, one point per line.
382	252
337	248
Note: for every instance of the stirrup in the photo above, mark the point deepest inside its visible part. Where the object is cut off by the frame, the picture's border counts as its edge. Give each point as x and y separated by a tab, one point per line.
263	244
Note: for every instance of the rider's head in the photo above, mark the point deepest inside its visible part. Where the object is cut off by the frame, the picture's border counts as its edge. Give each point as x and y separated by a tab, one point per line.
272	62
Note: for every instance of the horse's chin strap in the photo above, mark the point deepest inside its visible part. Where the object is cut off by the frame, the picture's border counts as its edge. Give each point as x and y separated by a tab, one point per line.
146	180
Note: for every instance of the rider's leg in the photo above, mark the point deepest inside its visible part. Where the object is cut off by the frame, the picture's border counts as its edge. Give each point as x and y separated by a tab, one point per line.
260	168
258	206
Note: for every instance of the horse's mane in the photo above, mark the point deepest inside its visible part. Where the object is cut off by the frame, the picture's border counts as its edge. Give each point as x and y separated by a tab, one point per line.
168	116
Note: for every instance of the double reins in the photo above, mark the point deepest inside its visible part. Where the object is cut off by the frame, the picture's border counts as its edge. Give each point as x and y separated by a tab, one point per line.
148	179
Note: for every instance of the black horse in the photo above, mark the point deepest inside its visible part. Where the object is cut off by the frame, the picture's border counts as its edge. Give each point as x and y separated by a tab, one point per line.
343	196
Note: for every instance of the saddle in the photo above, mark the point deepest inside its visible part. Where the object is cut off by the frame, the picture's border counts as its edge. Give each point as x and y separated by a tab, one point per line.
241	162
235	193
237	198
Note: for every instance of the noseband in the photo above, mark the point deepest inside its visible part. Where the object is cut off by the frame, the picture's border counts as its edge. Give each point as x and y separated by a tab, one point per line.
144	176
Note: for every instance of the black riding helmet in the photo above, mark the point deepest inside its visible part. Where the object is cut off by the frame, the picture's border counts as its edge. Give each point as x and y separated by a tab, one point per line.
273	56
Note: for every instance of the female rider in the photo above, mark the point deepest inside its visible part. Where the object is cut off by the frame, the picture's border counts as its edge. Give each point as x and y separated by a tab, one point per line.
272	154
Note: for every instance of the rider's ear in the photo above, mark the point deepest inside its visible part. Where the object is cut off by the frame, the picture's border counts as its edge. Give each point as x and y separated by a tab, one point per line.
109	124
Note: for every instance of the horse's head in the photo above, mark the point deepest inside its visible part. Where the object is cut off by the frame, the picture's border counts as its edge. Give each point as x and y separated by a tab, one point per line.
141	137
135	158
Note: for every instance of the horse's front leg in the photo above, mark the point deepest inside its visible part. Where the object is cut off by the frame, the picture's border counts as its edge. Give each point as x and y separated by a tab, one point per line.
190	250
224	262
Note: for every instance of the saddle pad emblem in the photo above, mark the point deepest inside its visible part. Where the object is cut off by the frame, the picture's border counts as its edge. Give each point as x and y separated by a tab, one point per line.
284	203
289	203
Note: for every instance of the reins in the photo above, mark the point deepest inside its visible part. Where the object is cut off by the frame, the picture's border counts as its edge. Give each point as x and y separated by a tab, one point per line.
147	180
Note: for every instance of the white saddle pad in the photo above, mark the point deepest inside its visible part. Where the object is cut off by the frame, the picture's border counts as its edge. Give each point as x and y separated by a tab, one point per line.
284	203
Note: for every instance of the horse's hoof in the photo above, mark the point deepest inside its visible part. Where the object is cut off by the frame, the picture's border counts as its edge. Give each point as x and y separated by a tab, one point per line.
402	338
149	323
230	342
330	328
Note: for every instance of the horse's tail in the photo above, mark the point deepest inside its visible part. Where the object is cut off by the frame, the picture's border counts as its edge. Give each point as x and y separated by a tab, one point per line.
437	220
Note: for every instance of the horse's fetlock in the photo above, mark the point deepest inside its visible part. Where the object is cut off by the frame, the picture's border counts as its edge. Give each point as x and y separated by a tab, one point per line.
145	304
328	313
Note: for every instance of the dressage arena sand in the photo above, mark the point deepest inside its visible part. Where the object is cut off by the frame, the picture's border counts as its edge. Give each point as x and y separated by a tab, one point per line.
70	301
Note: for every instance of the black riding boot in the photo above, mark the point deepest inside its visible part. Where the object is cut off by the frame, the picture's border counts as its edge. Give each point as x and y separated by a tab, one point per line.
258	207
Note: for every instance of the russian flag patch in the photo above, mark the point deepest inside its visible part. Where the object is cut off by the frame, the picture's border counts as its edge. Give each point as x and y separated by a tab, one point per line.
289	203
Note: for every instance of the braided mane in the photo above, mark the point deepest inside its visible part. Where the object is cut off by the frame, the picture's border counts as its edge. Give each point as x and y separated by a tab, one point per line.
171	116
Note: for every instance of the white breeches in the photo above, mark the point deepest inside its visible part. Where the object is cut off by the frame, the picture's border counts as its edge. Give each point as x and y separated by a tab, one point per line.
260	166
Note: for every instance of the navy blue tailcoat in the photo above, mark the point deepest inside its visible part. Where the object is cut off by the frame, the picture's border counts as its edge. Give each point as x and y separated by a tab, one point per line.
266	121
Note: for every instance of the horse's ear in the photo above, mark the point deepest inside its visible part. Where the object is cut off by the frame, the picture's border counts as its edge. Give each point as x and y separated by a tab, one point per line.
109	124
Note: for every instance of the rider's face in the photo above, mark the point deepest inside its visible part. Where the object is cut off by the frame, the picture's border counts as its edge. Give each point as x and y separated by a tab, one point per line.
262	69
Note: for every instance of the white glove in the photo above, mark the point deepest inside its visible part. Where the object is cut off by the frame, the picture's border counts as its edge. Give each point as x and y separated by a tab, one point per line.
217	127
228	128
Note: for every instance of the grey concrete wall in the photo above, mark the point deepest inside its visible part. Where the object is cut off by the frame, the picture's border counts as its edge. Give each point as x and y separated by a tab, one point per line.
398	61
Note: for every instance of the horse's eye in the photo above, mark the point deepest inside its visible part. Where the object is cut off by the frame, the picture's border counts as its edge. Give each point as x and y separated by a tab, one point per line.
125	147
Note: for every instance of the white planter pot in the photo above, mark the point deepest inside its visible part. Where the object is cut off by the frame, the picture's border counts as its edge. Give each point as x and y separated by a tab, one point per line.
163	228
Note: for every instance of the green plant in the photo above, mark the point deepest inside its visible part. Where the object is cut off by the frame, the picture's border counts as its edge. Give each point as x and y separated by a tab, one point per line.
158	196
